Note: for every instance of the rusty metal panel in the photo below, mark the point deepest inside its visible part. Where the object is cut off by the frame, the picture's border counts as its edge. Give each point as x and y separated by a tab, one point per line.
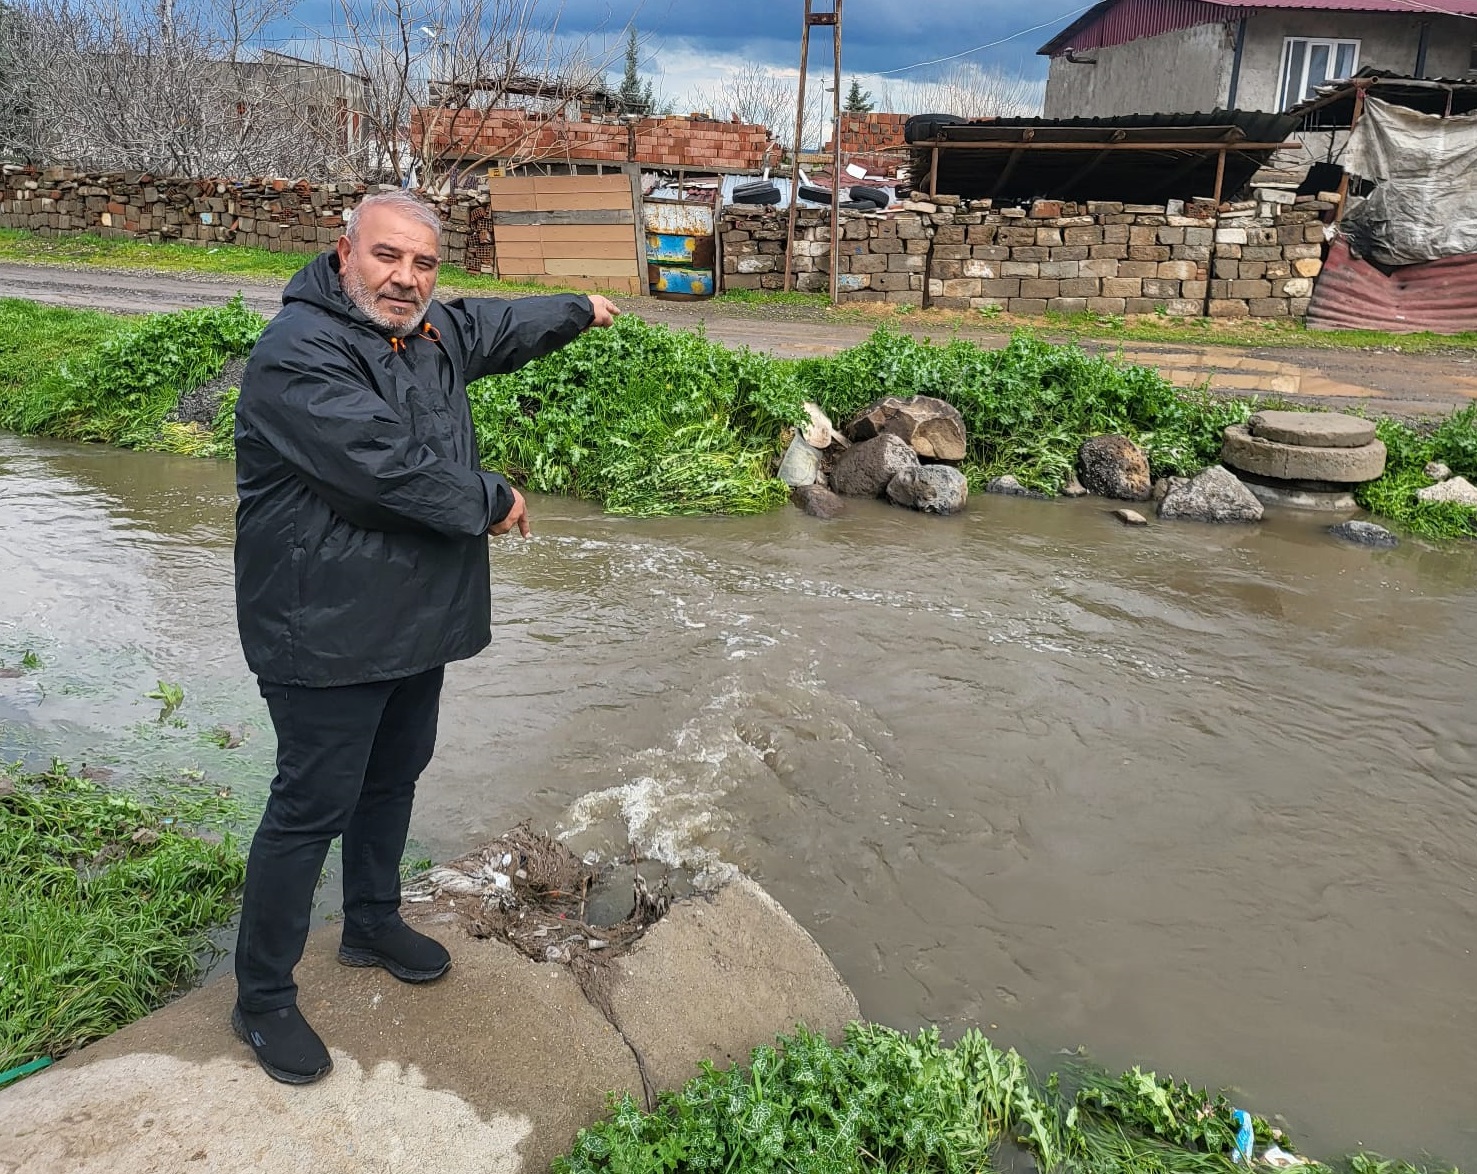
1118	22
1437	296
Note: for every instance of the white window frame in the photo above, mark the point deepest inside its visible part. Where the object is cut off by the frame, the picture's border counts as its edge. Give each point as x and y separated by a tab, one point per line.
1333	45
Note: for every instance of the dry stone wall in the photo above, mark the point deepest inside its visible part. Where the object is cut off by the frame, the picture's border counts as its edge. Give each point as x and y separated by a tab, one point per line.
1254	259
276	214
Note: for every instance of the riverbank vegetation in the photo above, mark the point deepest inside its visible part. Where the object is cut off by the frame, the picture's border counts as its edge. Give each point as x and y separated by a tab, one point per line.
886	1101
647	420
107	902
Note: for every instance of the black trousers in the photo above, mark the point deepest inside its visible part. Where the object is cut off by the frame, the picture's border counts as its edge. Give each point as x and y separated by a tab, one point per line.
347	762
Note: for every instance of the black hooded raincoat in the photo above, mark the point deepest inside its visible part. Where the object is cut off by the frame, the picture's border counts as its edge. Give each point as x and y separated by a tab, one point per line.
361	529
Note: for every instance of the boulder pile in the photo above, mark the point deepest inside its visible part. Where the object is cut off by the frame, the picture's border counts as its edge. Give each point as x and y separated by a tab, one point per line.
901	449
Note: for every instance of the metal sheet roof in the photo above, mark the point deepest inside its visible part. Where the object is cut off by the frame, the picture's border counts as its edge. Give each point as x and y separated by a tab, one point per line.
1333	107
1439	296
1142	158
1116	22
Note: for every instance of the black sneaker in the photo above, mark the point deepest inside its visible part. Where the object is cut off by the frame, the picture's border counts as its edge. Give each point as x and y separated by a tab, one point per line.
409	956
285	1046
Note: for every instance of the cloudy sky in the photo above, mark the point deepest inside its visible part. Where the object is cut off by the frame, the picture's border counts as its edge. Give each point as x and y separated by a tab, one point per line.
687	44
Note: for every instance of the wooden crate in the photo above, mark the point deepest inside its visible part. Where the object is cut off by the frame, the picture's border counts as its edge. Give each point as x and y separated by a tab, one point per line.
581	231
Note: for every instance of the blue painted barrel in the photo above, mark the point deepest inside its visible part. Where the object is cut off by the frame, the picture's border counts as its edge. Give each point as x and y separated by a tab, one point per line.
680	282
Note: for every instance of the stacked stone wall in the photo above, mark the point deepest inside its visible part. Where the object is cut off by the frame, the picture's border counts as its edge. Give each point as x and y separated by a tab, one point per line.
1253	259
276	214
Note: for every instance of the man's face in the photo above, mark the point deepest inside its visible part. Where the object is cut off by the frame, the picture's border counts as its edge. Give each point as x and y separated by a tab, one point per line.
389	271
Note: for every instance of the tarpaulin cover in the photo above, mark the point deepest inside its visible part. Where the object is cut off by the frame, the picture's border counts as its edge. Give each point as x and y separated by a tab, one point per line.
1424	204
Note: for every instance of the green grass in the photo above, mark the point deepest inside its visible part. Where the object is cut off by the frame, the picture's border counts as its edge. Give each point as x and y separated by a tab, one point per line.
884	1101
647	420
88	250
106	906
1453	442
117	385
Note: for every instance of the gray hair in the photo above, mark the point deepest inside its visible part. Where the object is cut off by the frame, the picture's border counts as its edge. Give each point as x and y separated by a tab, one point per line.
398	200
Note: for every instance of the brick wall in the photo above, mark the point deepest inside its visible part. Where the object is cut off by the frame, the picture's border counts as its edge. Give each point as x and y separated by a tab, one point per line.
1252	260
871	134
657	142
276	214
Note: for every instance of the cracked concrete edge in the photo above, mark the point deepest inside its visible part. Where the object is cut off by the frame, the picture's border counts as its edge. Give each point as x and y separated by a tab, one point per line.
494	1068
761	972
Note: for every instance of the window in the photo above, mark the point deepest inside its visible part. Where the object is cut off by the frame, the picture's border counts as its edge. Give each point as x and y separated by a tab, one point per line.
1308	64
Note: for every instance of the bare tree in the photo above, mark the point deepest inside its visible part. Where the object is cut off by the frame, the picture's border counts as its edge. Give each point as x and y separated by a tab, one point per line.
442	76
765	96
968	90
174	90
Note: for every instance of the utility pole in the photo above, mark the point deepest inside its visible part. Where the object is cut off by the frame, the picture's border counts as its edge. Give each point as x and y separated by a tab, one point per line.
829	18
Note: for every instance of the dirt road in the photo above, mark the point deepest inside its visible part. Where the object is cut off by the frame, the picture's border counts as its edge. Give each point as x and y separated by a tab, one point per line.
1384	382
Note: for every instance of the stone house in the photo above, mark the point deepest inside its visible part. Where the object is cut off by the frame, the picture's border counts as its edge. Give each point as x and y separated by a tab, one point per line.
1172	56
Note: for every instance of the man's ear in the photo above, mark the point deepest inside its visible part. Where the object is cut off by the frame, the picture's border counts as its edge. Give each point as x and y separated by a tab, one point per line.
345	247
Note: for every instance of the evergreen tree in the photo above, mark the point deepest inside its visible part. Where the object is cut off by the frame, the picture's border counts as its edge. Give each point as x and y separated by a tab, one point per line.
858	100
634	97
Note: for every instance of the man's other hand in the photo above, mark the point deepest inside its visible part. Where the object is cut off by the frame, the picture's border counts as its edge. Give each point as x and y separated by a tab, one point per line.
517	516
606	311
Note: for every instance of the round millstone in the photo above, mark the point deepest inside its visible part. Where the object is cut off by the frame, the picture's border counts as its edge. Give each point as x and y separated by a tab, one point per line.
1294	462
1313	429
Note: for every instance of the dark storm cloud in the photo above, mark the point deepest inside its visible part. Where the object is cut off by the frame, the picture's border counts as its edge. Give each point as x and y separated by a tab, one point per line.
879	35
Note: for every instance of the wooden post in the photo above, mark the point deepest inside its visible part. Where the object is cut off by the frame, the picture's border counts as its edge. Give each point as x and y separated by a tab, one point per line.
1338	213
933	171
836	166
795	152
1220	183
638	212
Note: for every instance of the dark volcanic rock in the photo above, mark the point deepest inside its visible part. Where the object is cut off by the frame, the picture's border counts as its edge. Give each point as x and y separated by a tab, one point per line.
1113	466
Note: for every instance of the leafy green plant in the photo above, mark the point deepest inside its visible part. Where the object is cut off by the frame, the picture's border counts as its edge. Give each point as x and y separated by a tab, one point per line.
170	695
106	903
120	390
1454	443
30	661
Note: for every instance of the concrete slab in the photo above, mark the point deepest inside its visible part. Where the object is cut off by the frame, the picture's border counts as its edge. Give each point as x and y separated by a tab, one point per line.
1292	462
712	980
491	1070
1313	429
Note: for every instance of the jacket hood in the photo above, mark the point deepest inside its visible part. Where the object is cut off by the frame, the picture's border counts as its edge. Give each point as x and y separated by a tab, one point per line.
317	284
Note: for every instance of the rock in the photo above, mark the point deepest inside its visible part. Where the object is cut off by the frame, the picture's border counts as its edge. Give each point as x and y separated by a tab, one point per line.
1437	471
818	501
1160	488
1073	487
1212	496
1457	490
933	428
1312	429
1131	517
819	431
1296	462
933	489
1365	534
1011	487
801	464
1113	466
865	469
1296	495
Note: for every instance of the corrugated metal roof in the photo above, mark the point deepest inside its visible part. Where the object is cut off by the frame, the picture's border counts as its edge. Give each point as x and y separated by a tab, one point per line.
1439	296
1333	107
1177	162
1117	22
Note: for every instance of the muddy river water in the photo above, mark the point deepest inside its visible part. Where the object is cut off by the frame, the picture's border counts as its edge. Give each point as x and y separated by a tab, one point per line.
1202	799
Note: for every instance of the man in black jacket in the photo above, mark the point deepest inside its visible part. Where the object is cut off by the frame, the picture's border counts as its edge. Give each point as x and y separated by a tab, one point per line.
361	571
